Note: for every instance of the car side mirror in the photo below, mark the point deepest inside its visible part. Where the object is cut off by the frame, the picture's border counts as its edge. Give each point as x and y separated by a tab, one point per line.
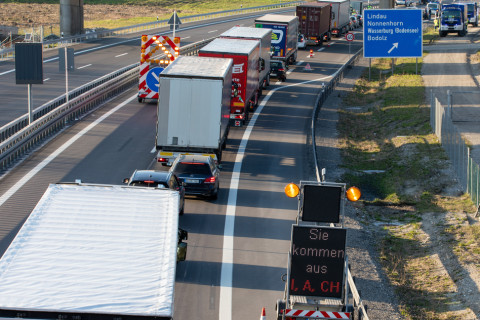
219	166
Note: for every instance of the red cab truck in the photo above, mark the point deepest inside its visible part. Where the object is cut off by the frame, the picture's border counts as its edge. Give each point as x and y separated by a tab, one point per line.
245	74
314	22
265	38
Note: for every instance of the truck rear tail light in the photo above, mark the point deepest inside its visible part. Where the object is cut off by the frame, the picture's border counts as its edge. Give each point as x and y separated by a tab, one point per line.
238	116
209	180
162	160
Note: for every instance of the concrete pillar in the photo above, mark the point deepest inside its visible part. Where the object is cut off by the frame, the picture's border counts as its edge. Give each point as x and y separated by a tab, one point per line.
71	17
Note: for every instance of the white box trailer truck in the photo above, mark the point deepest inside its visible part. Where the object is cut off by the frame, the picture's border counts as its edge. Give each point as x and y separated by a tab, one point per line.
194	108
91	251
264	36
340	22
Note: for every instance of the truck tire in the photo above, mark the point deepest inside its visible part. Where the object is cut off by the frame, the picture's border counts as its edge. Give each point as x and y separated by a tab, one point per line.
443	34
140	99
279	307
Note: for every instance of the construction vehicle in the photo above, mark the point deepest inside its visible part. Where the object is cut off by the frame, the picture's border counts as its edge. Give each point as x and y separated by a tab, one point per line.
453	19
317	279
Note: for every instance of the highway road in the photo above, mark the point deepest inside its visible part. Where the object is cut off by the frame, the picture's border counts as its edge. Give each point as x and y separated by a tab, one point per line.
98	58
238	244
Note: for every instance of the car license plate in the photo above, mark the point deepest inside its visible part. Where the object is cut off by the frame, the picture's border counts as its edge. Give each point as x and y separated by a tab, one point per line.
273	74
192	180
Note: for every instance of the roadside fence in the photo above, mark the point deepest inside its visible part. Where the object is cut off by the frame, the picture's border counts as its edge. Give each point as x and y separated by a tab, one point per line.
466	168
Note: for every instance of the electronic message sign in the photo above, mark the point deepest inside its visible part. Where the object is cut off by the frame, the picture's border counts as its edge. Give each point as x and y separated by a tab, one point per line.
317	261
321	203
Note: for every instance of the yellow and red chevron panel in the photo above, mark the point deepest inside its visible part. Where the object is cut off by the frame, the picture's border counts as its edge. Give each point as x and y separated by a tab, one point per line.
150	66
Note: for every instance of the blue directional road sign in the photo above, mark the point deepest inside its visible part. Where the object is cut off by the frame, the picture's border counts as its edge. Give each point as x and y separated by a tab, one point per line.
152	78
392	33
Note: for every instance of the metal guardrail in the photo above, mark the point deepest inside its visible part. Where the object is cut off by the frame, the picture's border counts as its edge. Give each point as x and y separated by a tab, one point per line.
322	96
10	52
21	137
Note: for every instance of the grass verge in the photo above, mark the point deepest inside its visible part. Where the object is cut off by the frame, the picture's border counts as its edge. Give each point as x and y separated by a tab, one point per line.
411	197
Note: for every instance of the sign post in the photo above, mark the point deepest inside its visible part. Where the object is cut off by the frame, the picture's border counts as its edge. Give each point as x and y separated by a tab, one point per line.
174	22
350	37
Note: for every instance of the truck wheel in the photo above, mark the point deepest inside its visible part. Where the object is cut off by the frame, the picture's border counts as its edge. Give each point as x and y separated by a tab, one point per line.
140	99
443	34
279	307
268	80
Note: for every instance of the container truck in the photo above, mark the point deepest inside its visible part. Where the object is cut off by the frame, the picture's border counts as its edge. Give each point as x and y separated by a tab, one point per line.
245	74
264	36
340	21
92	251
314	22
453	19
284	35
194	110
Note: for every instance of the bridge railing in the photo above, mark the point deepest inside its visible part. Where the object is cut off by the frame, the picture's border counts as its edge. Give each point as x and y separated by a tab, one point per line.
19	137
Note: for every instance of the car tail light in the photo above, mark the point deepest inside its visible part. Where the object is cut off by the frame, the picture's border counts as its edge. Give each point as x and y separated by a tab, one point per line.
165	160
281	69
148	181
209	180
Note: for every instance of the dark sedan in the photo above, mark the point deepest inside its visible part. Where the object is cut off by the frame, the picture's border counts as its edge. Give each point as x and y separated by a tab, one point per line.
200	175
158	179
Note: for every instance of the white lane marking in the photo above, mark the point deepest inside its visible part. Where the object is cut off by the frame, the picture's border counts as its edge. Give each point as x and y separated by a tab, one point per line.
154	150
123	54
46	79
299	62
321	49
87	65
226	276
24	180
212	31
183	38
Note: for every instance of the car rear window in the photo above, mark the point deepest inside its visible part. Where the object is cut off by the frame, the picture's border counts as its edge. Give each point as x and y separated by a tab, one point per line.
192	168
149	183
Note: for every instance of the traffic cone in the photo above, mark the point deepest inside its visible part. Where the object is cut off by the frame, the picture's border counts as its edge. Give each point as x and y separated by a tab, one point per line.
263	316
307	67
311	53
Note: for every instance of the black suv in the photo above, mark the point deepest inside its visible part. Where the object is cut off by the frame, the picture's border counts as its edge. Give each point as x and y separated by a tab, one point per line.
278	69
199	173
